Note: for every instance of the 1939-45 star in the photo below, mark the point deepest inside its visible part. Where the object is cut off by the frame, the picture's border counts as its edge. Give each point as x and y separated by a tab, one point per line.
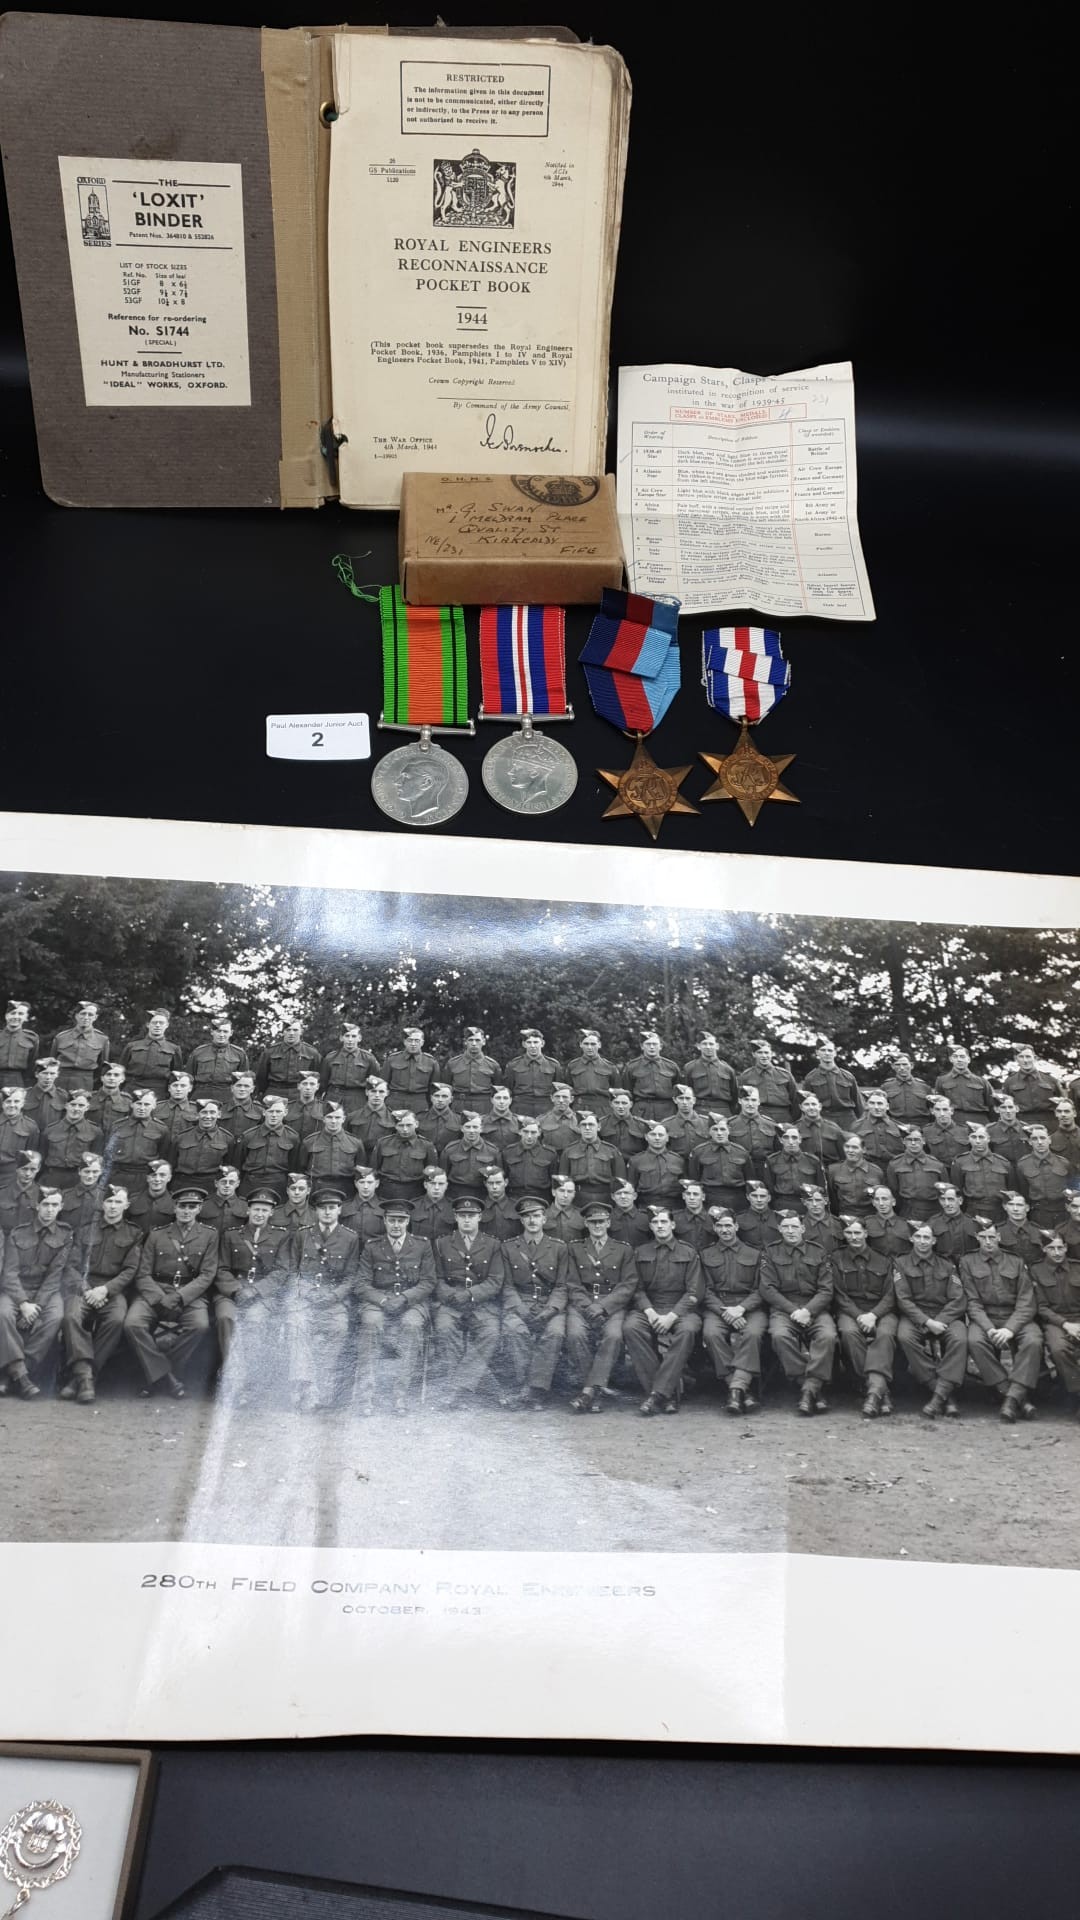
647	791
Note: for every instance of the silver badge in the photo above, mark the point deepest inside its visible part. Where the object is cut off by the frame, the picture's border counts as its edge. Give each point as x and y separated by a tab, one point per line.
39	1845
529	773
420	785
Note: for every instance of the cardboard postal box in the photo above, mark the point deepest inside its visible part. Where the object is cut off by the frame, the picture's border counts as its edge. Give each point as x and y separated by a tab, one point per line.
497	539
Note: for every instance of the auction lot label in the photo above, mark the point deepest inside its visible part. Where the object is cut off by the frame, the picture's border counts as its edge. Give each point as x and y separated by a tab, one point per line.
157	269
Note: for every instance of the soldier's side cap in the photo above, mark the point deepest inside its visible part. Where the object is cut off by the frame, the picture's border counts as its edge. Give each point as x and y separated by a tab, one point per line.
238	1073
86	1006
309	1073
432	1167
475	1033
713	1117
813	1193
412	1033
589	1033
390	1207
116	1190
659	1206
268	1100
207	1100
789	1213
333	1106
29	1153
720	1213
156	1166
687	1182
685	1090
18	1006
143	1093
470	1114
624	1186
531	1033
49	1193
756	1186
442	1086
649	1033
706	1036
561	1086
8	1091
189	1193
158	1013
747	1092
224	1168
586	1113
620	1093
360	1170
46	1060
491	1170
983	1225
374	1080
327	1194
1010	1193
531	1203
264	1197
398	1113
466	1203
596	1210
1051	1233
90	1159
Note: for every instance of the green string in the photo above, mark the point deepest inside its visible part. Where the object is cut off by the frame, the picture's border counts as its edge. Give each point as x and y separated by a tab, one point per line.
342	564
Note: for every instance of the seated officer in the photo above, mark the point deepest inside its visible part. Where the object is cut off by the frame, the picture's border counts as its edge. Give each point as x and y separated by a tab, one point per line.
36	1260
865	1314
932	1330
722	1167
603	1282
104	1262
534	1303
322	1275
1056	1280
470	1269
665	1319
796	1285
735	1318
1001	1322
252	1266
168	1317
395	1282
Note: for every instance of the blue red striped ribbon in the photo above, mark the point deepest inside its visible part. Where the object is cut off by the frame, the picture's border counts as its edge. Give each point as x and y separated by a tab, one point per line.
743	671
631	659
523	660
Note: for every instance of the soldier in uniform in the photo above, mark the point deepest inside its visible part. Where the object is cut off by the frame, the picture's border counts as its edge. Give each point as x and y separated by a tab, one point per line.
1034	1091
530	1163
136	1140
103	1265
790	1170
472	1072
18	1046
21	1194
821	1138
881	1137
796	1284
822	1228
1015	1230
500	1217
433	1215
373	1121
955	1232
865	1311
278	1069
686	1128
629	1222
151	1060
1007	1136
753	1131
1056	1281
305	1111
401	1158
722	1167
168	1317
564	1219
692	1222
945	1138
1065	1139
36	1262
852	1180
243	1113
590	1075
154	1207
915	1177
1069	1224
535	1295
778	1095
269	1153
886	1231
64	1144
758	1225
440	1124
971	1094
602	1284
531	1074
499	1126
395	1283
1041	1175
620	1126
179	1113
297	1211
651	1078
80	1049
980	1175
109	1104
363	1213
931	1330
225	1208
656	1171
1001	1322
253	1263
470	1269
205	1146
322	1275
835	1088
17	1133
735	1319
713	1079
908	1097
81	1204
464	1159
665	1319
558	1126
348	1066
591	1163
409	1072
212	1065
46	1101
330	1155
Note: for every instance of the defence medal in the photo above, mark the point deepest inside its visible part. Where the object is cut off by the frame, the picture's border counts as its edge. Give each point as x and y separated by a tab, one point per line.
631	665
39	1845
425	691
744	674
523	677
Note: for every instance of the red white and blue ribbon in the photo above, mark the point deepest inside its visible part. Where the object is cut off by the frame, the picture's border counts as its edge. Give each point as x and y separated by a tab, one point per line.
743	671
523	660
631	659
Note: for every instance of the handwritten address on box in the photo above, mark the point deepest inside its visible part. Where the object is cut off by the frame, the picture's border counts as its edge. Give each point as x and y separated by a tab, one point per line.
318	736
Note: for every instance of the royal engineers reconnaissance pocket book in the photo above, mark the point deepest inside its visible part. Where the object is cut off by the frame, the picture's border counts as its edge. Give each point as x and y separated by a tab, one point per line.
269	268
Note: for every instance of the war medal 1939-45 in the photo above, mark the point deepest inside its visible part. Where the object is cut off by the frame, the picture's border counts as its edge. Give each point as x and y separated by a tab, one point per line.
523	677
38	1846
744	674
631	665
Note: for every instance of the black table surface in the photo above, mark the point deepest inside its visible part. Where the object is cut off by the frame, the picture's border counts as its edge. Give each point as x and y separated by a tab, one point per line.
796	195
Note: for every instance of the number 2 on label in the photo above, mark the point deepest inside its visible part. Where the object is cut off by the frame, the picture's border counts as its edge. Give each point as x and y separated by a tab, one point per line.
316	739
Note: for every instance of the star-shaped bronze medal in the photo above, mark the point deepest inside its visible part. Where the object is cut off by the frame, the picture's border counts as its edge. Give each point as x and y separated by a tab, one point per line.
646	790
748	776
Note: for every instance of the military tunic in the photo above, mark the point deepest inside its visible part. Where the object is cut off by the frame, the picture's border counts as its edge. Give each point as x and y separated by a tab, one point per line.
81	1056
62	1149
46	1107
102	1256
212	1066
656	1175
472	1075
530	1082
18	1052
16	1136
946	1143
695	1228
431	1218
800	1277
278	1069
777	1091
594	1167
36	1263
908	1099
394	1287
630	1225
362	1217
758	1229
19	1206
305	1117
1065	1142
890	1236
913	1178
400	1165
168	1317
981	1179
999	1293
469	1279
178	1117
329	1159
1035	1094
626	1132
686	1132
463	1164
408	1077
928	1288
438	1126
151	1063
150	1210
500	1218
565	1223
786	1174
592	1079
369	1125
862	1283
558	1129
670	1280
1043	1179
535	1296
321	1278
602	1285
849	1185
131	1146
824	1139
715	1084
838	1092
499	1129
201	1152
954	1235
80	1207
757	1135
731	1286
1011	1142
267	1155
345	1069
970	1094
882	1139
651	1084
723	1171
1024	1240
223	1214
108	1110
1057	1300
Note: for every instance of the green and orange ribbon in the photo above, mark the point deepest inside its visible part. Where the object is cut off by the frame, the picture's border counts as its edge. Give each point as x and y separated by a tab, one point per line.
425	666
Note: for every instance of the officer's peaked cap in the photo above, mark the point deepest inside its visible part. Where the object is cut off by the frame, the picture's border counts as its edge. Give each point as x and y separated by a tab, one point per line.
189	1193
325	1195
465	1203
264	1197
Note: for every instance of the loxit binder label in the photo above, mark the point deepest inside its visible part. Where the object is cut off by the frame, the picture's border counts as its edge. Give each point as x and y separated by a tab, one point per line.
157	269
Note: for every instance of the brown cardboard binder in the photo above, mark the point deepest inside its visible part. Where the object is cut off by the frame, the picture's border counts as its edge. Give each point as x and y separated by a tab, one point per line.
170	195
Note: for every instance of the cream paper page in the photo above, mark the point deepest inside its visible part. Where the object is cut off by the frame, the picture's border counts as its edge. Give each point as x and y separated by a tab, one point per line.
469	187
